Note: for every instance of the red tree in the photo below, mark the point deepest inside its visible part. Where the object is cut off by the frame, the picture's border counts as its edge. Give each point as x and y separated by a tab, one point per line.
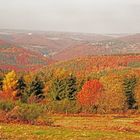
90	92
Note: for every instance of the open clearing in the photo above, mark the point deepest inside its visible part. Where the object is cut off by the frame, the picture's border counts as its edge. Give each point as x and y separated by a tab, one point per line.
112	127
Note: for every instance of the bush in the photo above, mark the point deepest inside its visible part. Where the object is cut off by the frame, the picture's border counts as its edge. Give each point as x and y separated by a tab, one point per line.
6	105
64	106
24	97
29	113
26	112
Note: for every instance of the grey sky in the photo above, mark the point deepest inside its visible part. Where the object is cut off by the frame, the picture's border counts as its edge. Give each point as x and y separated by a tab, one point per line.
96	16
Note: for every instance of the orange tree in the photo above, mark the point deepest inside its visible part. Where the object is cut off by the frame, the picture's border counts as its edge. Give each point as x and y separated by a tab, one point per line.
90	93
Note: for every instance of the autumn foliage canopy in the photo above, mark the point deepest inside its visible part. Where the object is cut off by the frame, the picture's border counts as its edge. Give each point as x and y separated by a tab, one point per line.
90	93
10	83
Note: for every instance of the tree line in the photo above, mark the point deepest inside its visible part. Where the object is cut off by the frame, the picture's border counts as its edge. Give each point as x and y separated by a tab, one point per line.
110	91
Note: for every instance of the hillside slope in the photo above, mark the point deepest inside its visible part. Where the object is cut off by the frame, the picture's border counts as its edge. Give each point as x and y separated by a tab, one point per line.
49	43
89	50
85	65
16	58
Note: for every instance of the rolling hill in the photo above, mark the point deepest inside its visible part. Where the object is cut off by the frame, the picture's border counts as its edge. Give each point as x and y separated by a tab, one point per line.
89	50
85	65
29	50
131	38
16	58
49	43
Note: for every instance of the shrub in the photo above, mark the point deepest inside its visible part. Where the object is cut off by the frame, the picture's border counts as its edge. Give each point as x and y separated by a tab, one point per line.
64	106
6	105
26	112
29	113
24	97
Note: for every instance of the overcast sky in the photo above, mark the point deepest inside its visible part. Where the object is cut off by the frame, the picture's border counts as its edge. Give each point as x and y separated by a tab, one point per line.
96	16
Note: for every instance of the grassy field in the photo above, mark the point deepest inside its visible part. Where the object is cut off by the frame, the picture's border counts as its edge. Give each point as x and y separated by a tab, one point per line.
111	127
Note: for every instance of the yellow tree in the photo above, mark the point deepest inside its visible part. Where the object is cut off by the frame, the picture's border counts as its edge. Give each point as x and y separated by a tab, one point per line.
61	73
28	78
10	83
113	98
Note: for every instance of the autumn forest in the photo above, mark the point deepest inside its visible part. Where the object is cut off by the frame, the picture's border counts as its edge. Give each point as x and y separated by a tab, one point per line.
50	80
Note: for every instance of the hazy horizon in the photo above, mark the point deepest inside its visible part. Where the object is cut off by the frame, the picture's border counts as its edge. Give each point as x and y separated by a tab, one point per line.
82	16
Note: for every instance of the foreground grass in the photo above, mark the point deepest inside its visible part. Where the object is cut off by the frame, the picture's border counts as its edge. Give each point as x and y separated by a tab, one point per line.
76	128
